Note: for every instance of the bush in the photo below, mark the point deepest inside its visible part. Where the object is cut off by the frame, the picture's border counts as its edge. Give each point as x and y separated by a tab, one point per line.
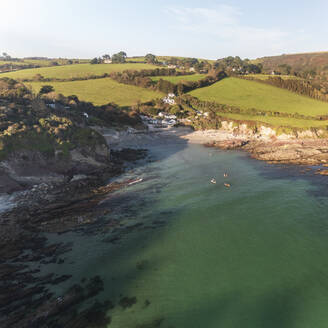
46	89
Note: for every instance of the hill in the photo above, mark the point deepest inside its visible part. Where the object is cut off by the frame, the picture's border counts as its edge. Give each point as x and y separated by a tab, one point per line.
250	94
317	61
181	78
101	91
253	99
76	70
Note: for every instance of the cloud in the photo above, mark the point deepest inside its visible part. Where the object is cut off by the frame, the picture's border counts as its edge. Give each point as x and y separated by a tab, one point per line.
224	24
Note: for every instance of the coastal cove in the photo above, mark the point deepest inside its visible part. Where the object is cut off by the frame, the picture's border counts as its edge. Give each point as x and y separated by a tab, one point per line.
177	251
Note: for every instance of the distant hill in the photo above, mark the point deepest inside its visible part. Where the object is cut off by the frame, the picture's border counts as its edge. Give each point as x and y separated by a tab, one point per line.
303	62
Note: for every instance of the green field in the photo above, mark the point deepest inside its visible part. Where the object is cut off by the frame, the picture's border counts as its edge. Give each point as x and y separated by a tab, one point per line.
135	59
40	62
76	70
8	62
101	91
177	79
249	94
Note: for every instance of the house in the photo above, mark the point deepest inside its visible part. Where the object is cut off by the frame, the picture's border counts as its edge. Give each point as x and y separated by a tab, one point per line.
172	66
169	99
107	61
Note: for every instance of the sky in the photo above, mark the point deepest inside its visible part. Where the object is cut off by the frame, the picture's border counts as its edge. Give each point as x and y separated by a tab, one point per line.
202	29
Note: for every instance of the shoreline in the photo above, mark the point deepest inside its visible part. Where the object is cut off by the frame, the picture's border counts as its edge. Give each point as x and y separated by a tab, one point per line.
288	150
76	206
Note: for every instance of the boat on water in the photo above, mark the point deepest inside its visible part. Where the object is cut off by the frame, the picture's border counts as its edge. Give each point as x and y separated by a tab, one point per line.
213	181
228	185
134	182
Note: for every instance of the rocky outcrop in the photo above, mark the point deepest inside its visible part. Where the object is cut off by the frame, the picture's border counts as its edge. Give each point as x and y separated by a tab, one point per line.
25	168
293	151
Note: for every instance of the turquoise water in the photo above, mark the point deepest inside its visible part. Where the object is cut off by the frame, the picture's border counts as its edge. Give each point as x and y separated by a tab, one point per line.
253	255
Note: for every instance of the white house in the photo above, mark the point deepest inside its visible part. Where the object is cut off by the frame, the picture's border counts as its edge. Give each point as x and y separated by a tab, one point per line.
107	61
169	99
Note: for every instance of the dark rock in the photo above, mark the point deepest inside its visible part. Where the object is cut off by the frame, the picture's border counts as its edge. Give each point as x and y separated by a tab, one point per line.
127	302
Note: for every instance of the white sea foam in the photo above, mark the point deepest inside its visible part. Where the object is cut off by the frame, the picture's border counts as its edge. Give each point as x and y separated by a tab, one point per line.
6	202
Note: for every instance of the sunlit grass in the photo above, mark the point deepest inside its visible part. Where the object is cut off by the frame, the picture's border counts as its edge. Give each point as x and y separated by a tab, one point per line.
177	79
76	70
249	94
101	91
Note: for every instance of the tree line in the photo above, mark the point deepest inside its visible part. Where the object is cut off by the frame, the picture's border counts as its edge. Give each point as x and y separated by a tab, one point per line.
299	86
142	79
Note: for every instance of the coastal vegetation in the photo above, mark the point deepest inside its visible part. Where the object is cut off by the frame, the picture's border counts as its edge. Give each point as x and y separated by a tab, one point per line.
28	123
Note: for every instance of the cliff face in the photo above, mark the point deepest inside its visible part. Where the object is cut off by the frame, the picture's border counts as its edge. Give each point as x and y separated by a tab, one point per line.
266	132
305	147
38	144
25	168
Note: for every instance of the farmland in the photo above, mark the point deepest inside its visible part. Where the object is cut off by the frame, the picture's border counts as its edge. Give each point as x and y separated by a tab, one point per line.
177	79
101	91
249	94
76	70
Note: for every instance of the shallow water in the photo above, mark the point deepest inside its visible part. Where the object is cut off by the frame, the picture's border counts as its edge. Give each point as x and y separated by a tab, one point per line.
253	255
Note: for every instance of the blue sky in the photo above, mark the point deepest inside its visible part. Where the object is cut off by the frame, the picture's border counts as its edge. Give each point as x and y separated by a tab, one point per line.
204	29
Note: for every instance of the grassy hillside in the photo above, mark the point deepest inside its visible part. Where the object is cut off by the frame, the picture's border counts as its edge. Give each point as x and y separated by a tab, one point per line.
101	91
76	70
177	79
249	94
164	58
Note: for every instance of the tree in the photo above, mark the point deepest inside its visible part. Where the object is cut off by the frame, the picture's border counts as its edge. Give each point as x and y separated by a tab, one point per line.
6	56
46	89
94	61
119	57
151	59
122	54
106	57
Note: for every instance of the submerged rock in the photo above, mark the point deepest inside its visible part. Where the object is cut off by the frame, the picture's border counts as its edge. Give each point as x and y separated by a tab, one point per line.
127	302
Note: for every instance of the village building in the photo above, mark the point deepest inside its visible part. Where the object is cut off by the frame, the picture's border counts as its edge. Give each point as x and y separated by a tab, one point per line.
169	99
